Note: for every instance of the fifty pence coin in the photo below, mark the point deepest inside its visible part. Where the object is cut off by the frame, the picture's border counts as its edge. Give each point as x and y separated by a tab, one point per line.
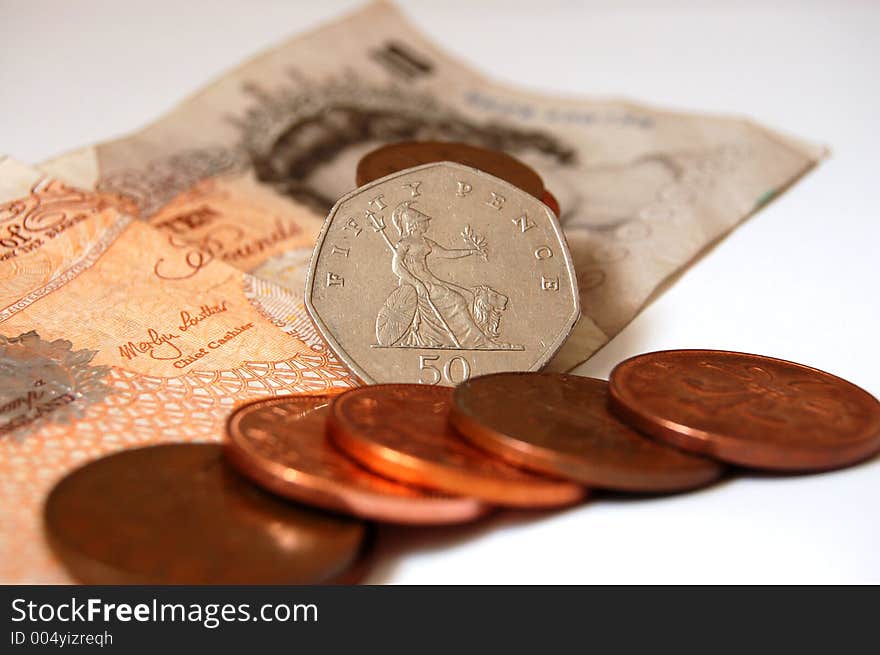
281	444
438	273
402	431
179	514
408	154
746	409
560	425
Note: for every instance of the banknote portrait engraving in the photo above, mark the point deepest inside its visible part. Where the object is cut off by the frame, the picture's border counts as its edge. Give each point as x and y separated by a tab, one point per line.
300	135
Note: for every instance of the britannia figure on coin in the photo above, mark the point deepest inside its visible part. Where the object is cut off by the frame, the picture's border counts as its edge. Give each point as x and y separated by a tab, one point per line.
426	311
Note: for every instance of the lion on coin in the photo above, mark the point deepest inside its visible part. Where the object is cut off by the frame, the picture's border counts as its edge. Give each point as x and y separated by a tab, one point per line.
487	308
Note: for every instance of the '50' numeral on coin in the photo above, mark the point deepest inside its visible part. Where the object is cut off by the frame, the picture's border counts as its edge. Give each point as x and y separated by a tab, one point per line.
452	366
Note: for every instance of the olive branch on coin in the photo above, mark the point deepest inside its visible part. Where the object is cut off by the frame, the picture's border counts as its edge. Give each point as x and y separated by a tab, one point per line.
475	242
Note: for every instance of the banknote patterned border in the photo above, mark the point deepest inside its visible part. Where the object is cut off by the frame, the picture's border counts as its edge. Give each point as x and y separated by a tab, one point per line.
284	310
82	264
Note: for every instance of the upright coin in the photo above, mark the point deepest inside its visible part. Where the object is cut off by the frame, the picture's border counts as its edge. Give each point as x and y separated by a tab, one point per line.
178	514
401	431
281	444
408	154
560	425
439	273
747	409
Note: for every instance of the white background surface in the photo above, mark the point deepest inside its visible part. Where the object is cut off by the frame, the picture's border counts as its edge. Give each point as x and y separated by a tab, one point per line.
798	281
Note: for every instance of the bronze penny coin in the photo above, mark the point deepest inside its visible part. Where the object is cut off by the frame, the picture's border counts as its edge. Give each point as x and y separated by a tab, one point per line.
362	566
281	444
401	431
178	514
406	154
550	200
560	425
746	409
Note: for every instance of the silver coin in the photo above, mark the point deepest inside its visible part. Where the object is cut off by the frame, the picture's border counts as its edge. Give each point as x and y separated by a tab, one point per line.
439	273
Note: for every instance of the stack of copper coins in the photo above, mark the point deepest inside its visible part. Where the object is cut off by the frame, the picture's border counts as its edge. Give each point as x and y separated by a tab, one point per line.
665	422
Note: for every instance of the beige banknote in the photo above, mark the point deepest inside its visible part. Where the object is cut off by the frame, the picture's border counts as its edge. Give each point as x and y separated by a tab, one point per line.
247	168
114	334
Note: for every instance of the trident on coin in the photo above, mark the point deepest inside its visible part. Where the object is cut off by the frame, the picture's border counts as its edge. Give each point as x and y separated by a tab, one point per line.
378	223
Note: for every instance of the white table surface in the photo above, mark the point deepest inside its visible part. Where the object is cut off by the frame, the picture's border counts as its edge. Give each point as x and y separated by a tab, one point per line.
798	281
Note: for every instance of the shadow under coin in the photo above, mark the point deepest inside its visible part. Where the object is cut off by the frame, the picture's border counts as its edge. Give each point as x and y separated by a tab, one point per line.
766	474
731	474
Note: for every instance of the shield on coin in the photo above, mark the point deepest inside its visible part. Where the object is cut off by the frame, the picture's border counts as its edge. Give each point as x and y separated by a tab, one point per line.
396	315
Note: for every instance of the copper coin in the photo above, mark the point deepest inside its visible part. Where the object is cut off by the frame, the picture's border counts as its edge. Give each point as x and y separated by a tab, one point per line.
281	444
560	425
550	200
357	572
401	431
747	409
406	154
178	514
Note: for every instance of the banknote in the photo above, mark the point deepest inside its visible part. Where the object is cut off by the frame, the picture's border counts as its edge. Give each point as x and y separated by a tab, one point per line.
114	334
247	168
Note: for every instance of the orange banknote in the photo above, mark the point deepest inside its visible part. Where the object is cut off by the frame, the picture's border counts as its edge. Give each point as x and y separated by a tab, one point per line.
114	334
